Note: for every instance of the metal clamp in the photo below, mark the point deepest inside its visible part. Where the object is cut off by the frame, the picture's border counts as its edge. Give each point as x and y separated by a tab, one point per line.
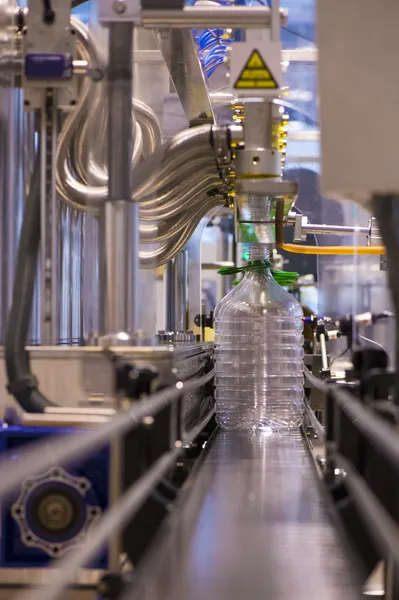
119	11
374	239
299	234
48	53
221	149
374	236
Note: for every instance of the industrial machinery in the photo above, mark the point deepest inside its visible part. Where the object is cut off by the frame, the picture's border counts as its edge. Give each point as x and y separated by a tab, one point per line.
122	139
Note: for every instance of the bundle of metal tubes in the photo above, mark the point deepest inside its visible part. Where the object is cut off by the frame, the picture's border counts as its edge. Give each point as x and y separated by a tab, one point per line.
176	184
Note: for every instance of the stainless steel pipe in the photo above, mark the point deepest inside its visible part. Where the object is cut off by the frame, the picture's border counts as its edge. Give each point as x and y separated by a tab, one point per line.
176	291
119	252
334	229
192	17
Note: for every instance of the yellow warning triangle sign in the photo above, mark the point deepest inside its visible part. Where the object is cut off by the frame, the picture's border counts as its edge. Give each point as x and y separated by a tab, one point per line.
255	75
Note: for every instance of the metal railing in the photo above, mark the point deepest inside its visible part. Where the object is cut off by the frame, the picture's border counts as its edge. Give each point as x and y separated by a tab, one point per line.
363	448
33	460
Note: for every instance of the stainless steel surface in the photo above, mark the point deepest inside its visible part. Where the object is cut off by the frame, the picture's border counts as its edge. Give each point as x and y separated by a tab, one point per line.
335	229
323	352
171	362
193	248
86	578
80	67
303	227
276	21
52	38
181	57
120	217
269	187
314	422
209	17
374	236
78	377
12	179
176	292
260	157
49	223
255	525
110	11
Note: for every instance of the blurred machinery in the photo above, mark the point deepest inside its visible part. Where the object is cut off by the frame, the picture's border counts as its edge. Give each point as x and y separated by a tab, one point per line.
114	480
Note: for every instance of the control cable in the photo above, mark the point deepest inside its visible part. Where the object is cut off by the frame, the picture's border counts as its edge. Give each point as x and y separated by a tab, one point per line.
22	384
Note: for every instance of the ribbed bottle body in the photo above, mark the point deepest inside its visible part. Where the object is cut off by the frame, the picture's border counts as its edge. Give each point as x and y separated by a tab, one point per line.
259	357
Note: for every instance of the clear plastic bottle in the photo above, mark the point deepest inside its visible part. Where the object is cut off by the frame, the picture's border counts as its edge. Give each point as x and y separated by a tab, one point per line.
259	354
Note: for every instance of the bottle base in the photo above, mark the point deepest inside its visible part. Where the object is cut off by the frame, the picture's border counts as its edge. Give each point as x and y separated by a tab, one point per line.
266	426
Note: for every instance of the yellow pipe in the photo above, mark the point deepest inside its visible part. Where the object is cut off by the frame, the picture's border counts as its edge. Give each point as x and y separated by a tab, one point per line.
299	249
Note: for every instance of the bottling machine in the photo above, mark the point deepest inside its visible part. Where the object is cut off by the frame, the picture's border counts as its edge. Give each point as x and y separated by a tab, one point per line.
121	139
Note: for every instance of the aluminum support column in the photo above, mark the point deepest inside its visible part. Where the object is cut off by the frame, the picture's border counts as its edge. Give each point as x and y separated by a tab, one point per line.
120	217
176	289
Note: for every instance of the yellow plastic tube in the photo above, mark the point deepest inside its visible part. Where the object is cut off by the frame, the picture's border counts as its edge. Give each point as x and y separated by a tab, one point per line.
299	249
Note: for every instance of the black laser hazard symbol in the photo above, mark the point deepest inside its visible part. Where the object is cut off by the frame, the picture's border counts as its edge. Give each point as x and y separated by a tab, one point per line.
256	75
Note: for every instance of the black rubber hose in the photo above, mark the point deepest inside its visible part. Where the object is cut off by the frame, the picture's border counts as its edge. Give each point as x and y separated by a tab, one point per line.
22	384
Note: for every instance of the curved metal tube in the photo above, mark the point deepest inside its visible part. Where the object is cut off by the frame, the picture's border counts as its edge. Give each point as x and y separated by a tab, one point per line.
82	182
172	210
207	182
155	258
149	125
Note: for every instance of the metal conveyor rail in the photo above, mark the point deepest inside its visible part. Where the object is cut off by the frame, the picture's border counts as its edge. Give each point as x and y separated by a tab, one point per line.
254	525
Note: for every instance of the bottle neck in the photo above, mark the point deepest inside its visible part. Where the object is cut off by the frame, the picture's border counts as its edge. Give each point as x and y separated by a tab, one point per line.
259	252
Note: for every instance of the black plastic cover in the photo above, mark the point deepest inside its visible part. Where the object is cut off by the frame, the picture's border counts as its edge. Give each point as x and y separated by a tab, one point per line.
162	4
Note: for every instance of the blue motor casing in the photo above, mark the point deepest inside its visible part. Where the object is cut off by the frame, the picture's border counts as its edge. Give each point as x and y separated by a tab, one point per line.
51	513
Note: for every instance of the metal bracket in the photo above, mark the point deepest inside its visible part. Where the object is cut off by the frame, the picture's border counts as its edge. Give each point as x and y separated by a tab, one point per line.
221	149
299	234
374	239
48	53
119	11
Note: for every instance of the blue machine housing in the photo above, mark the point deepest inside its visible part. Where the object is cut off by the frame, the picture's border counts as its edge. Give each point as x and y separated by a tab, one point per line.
14	551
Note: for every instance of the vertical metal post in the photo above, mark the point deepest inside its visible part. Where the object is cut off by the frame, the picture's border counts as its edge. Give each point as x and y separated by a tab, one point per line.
276	21
323	351
115	489
120	217
49	219
176	290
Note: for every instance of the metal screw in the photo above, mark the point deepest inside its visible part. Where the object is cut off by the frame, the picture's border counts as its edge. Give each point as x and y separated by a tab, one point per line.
119	7
96	74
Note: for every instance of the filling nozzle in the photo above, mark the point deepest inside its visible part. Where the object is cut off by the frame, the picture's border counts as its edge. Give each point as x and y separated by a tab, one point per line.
258	173
261	157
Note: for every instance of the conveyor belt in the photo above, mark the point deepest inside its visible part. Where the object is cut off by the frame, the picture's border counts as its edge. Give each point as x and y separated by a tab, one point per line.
255	525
